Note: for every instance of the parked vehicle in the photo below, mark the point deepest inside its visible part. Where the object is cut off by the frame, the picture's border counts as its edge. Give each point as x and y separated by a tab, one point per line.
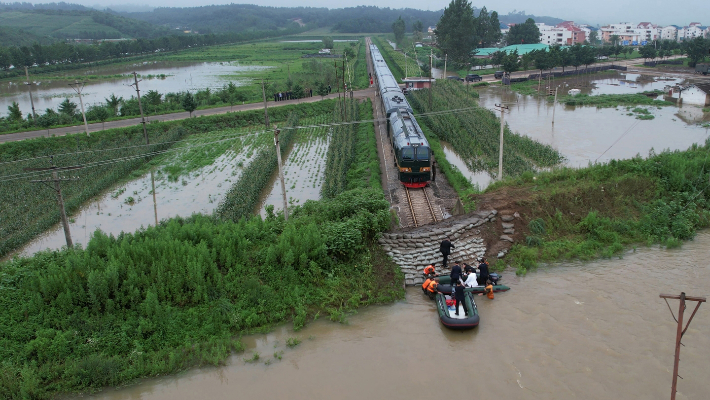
702	69
498	74
455	78
473	78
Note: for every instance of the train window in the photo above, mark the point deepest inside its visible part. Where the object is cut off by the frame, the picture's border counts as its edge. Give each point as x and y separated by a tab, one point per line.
408	153
422	153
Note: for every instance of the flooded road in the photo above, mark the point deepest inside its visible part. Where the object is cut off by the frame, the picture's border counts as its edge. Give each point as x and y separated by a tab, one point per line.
163	76
572	331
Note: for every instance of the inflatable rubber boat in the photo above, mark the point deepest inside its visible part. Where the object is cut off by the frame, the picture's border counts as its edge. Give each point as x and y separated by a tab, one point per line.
462	321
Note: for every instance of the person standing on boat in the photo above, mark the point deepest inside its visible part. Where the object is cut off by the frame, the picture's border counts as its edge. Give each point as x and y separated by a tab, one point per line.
445	249
455	273
483	268
459	297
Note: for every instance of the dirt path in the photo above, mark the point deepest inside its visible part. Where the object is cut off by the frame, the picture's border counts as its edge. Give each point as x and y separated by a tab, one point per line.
11	137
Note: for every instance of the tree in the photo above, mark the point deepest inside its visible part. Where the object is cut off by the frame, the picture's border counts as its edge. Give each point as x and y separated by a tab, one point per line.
696	50
398	28
511	62
349	53
322	89
14	112
67	107
493	34
497	57
418	29
327	42
98	113
614	39
113	102
593	38
188	103
455	31
525	33
647	51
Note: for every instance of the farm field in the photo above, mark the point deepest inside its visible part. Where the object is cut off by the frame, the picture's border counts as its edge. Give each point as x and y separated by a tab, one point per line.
64	25
115	156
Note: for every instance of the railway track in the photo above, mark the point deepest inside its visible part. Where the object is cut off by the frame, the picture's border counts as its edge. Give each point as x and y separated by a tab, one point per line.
421	208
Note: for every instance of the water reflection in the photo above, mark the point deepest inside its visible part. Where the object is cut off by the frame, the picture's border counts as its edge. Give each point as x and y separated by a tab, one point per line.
481	178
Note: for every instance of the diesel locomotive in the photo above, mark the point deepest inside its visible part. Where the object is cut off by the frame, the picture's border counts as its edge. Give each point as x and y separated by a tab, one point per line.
413	159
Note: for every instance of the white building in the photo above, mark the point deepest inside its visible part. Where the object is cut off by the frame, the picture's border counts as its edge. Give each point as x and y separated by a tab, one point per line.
631	33
669	32
693	30
564	34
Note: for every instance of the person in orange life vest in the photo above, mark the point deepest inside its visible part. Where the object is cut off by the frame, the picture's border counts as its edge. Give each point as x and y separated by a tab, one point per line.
430	271
426	283
488	291
432	286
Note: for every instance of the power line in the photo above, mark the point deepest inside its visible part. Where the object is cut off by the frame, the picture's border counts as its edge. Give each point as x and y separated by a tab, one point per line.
246	134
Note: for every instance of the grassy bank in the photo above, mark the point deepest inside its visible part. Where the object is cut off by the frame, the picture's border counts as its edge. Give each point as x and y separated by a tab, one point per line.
603	209
178	295
613	100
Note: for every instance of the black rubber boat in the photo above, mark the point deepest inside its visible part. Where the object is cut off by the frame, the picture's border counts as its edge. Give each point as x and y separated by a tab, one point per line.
461	321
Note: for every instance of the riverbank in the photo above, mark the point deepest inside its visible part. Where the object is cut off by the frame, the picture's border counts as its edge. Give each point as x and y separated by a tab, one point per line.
603	209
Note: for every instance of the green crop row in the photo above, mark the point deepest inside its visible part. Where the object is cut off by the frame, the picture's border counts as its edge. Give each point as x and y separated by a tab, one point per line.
341	151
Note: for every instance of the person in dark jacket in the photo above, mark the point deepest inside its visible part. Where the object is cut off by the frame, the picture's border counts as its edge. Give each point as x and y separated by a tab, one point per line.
483	268
459	297
455	273
445	249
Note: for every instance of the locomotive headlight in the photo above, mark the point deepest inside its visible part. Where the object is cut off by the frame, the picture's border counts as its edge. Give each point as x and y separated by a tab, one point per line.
425	169
401	169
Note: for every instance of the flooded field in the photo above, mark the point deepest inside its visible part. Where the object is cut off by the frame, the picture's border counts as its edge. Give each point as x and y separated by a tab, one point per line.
585	134
574	330
178	76
182	188
304	170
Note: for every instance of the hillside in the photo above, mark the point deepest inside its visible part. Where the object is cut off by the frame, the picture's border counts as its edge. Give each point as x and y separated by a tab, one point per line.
18	37
242	17
520	17
75	24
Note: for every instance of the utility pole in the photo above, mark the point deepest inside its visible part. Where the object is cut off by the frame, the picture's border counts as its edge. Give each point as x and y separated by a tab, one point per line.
140	106
57	188
406	74
554	105
446	59
266	112
78	87
502	128
431	72
281	174
344	87
29	88
681	330
145	135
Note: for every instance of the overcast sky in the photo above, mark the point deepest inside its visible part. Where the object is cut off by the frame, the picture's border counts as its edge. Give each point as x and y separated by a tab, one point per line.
595	12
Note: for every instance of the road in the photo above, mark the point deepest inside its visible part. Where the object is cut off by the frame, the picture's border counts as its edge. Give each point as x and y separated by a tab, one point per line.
12	137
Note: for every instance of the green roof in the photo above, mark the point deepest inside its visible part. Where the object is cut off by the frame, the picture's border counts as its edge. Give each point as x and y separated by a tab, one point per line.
522	49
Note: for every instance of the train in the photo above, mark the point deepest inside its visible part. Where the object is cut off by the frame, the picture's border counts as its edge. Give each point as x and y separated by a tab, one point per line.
413	159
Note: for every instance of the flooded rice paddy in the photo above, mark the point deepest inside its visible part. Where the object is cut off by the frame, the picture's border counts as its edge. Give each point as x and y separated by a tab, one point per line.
178	76
304	170
570	331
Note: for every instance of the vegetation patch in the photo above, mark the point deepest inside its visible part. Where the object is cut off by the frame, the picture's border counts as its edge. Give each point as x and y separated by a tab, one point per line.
601	210
613	100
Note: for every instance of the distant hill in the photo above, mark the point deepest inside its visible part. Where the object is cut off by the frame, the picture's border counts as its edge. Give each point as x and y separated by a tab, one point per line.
18	37
518	17
76	24
244	17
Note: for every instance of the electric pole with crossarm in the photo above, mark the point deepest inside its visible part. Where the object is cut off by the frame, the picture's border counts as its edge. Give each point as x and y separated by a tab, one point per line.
57	188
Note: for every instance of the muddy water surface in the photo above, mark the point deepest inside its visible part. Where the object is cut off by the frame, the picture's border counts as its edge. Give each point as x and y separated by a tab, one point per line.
572	331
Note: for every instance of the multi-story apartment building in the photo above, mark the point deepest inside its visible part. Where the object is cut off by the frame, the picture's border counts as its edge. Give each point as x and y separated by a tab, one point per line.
563	34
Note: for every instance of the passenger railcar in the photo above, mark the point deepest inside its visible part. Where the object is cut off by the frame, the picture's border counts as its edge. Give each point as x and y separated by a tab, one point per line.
413	157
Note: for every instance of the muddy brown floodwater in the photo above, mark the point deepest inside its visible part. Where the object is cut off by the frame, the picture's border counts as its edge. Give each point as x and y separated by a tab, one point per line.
572	331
